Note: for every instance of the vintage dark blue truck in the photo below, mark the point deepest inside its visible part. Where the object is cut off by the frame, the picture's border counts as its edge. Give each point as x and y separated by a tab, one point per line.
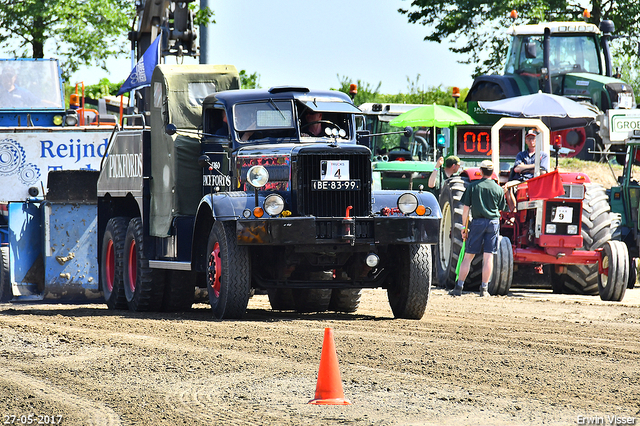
235	191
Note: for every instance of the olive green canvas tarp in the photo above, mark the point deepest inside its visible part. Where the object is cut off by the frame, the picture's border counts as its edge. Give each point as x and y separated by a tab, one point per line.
177	92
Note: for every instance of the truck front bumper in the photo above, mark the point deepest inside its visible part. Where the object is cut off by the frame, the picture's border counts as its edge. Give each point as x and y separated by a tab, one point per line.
359	230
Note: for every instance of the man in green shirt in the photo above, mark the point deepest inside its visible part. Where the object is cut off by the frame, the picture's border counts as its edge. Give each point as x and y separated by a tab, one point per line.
440	174
485	199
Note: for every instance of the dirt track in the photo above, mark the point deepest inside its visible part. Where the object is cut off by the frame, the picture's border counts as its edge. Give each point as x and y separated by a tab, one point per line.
530	358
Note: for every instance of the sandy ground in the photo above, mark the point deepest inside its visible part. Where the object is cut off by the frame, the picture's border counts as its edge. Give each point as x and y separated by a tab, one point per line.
529	358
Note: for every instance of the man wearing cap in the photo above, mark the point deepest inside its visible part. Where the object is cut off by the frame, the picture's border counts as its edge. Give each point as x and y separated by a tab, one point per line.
524	165
485	199
439	174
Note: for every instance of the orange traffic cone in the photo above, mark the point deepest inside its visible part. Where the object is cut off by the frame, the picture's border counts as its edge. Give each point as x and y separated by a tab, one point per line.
329	387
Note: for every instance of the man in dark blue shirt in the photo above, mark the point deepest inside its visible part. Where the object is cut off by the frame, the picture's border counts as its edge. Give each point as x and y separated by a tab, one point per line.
525	161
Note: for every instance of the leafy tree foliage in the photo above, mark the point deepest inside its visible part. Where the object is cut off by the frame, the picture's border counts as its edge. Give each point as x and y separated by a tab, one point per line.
249	81
416	93
477	28
79	32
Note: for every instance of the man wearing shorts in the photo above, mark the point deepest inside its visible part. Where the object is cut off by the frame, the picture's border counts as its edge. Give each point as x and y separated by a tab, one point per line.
485	199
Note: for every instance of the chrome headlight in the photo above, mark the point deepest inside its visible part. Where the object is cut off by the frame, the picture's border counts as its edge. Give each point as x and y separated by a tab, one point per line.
71	119
258	176
273	204
407	203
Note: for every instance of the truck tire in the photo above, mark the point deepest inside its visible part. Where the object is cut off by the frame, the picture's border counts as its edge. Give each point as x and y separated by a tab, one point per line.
6	294
615	260
597	222
410	285
143	286
112	263
179	291
311	299
228	272
281	299
502	268
345	299
450	238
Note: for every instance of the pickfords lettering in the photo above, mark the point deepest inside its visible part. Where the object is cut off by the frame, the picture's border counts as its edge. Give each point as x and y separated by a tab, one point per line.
124	165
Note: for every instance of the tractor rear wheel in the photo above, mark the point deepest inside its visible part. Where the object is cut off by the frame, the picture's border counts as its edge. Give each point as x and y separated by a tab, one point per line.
597	222
502	268
450	238
633	272
612	284
410	285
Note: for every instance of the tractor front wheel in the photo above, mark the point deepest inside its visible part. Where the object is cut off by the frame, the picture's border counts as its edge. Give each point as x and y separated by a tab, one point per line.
502	268
612	284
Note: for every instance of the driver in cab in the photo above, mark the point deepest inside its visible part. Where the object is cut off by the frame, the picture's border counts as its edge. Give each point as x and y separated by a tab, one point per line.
312	125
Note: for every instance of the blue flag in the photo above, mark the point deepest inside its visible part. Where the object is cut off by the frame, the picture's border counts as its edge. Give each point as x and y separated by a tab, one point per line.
141	74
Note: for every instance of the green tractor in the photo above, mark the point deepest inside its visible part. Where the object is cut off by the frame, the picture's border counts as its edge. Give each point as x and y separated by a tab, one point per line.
398	161
570	59
625	201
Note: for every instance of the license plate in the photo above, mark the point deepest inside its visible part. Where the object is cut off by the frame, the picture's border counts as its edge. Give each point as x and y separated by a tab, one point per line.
335	185
562	215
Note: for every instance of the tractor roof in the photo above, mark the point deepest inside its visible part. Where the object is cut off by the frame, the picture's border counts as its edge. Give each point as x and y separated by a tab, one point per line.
564	28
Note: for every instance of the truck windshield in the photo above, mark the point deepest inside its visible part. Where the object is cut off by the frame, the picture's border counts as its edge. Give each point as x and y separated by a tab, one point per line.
30	84
263	119
575	53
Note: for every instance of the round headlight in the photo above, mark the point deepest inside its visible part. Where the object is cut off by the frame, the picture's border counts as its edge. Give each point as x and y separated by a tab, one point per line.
407	203
71	120
273	204
57	120
258	176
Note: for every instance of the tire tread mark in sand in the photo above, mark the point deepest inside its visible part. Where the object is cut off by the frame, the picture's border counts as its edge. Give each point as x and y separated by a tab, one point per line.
95	413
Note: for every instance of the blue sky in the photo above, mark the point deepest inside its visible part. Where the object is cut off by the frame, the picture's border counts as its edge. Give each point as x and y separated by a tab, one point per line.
290	42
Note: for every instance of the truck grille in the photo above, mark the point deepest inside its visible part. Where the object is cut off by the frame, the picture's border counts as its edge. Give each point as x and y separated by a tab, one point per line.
333	203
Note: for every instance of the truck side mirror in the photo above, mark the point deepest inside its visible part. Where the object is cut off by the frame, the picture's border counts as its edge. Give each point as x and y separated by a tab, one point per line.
408	131
530	50
170	129
362	138
203	161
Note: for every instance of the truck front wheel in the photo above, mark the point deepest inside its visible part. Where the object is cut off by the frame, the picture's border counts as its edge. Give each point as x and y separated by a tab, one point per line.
228	272
112	263
143	287
410	286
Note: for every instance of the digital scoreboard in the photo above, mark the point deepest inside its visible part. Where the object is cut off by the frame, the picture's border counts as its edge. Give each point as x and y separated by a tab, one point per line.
475	141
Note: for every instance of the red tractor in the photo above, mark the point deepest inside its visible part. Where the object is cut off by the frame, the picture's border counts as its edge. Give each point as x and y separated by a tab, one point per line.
561	220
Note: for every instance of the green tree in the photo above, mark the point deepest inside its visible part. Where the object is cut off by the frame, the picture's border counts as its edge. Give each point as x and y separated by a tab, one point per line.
249	81
366	92
417	94
79	32
477	28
